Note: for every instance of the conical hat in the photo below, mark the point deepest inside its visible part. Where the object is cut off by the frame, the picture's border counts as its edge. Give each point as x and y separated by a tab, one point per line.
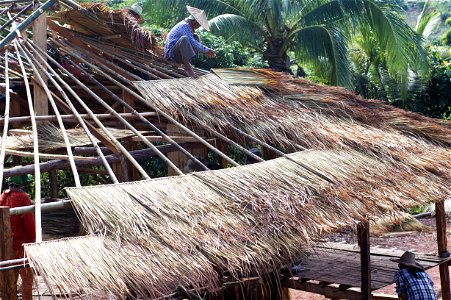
200	16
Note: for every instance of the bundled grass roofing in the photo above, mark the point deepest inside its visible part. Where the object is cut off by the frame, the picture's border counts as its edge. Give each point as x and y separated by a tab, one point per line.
102	22
349	158
253	218
245	219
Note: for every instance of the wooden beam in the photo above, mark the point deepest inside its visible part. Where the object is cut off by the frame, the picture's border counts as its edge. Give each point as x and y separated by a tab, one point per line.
363	235
70	117
53	183
95	161
440	218
8	278
41	102
328	291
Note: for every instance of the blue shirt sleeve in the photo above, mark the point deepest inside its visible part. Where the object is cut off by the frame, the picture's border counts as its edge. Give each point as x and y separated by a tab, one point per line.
186	29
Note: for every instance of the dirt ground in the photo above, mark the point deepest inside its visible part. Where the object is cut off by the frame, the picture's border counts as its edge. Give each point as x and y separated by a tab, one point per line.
421	242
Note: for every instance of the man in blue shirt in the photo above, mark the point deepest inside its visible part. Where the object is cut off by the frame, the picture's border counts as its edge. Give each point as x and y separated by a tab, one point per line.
412	282
182	44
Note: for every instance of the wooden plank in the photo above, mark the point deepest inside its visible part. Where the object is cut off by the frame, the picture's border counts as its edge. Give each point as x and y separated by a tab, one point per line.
8	279
41	102
53	184
328	291
440	217
376	251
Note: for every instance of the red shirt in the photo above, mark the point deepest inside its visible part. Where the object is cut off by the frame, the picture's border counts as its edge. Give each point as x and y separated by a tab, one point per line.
22	226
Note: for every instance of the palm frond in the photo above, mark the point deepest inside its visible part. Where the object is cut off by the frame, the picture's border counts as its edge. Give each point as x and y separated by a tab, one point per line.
318	43
237	28
427	23
401	45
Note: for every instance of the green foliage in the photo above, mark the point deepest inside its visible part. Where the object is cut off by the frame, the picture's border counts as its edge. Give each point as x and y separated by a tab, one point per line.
314	33
440	88
228	54
155	167
418	209
448	22
446	38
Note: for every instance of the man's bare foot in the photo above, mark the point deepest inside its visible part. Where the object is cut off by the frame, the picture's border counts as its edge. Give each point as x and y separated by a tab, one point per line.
189	70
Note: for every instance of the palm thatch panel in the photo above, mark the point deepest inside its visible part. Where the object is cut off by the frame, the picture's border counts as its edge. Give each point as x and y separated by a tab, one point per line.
313	117
94	262
51	138
246	219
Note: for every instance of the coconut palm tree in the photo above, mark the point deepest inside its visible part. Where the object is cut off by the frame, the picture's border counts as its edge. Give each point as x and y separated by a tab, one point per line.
314	32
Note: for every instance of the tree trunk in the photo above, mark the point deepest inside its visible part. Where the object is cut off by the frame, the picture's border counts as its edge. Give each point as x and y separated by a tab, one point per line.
276	55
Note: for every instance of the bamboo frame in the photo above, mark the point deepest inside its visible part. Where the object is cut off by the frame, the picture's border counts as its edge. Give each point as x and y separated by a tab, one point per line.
72	117
7	111
37	172
81	121
123	121
145	121
60	120
167	116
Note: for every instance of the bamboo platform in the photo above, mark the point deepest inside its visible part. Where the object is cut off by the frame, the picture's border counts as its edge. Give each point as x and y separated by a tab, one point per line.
334	270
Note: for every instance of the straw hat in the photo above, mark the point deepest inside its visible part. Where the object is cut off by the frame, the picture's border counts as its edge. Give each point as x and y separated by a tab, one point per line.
200	16
136	8
408	260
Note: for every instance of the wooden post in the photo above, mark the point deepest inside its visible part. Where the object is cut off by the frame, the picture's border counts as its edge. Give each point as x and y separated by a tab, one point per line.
440	218
8	282
363	235
41	103
53	184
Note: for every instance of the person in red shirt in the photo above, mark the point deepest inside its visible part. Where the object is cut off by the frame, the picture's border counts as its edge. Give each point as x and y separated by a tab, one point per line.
23	229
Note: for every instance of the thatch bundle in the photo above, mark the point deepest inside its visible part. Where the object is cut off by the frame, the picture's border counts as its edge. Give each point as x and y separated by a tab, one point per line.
118	267
105	22
51	138
245	219
314	117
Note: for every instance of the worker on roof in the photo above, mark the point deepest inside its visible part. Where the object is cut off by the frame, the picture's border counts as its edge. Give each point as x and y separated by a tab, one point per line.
412	282
182	44
134	12
22	227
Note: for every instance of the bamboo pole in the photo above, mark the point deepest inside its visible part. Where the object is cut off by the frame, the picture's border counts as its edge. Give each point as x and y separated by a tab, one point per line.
42	155
74	118
24	10
90	161
277	151
167	116
149	124
123	121
37	171
81	121
26	22
60	121
6	113
442	245
89	111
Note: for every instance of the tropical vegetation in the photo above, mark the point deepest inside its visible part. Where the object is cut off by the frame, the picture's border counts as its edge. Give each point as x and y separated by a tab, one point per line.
314	34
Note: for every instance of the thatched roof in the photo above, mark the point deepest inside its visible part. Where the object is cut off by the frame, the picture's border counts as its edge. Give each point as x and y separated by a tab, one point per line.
350	159
245	219
112	25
